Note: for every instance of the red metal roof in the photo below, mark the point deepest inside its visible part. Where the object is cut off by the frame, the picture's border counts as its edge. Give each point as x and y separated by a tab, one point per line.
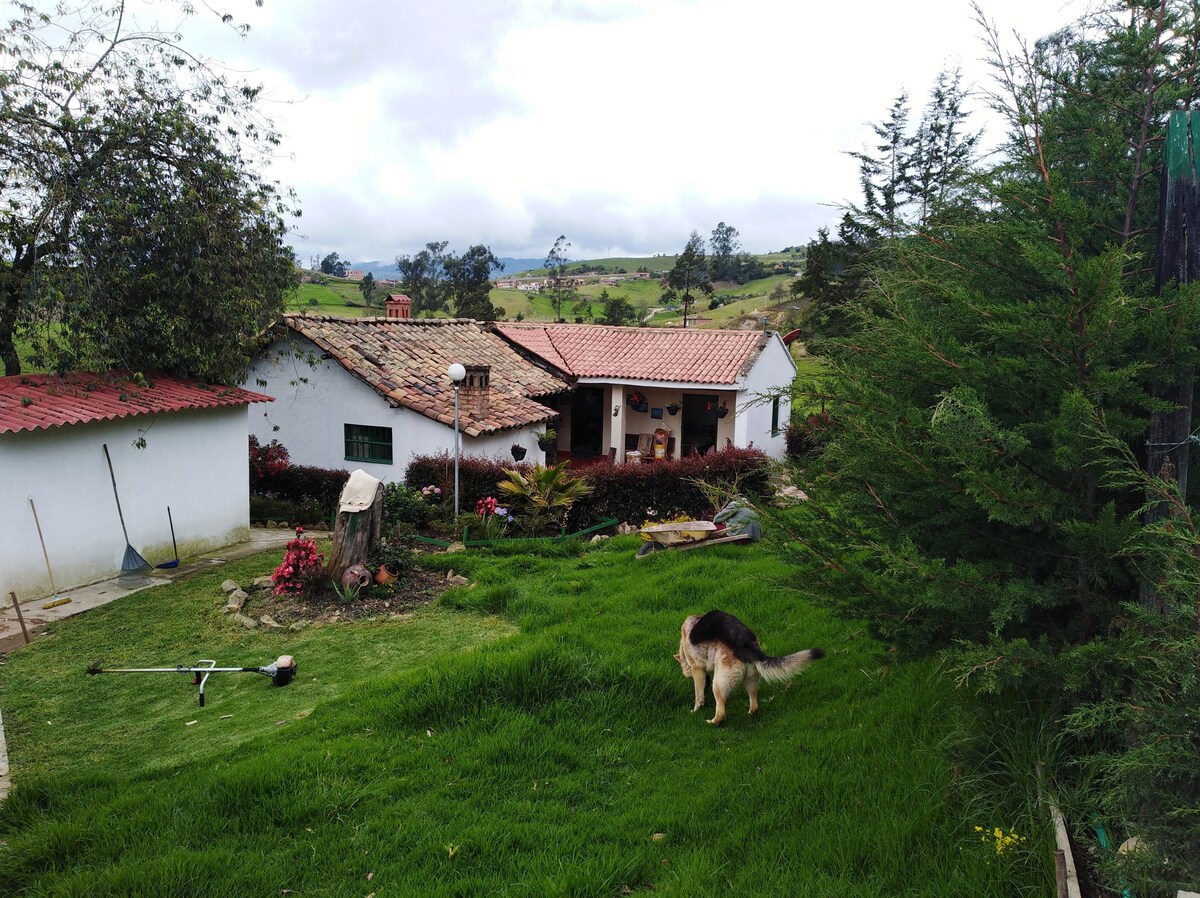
43	401
640	353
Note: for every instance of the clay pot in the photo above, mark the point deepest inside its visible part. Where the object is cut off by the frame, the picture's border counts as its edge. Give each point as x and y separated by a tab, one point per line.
383	576
356	575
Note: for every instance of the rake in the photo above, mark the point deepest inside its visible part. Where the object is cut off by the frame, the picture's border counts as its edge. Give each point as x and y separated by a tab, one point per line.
281	671
134	567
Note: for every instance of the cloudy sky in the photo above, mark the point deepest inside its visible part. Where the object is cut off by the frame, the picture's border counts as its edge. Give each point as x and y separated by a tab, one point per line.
623	124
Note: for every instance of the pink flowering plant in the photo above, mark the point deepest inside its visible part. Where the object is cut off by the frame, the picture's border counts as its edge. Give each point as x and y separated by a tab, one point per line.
432	493
302	565
490	521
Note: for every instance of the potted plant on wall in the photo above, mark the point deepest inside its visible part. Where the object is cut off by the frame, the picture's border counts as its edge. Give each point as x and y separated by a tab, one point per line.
637	401
518	451
721	408
673	408
547	439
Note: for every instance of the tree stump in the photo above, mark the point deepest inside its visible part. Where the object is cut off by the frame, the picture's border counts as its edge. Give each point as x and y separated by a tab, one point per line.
355	536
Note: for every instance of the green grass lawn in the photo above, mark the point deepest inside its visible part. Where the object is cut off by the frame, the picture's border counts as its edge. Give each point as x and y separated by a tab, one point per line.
528	735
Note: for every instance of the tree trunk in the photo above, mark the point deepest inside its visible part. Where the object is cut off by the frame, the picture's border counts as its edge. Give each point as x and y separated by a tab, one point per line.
355	536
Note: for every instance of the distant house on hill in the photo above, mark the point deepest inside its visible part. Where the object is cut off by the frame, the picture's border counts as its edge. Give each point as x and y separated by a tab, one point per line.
53	431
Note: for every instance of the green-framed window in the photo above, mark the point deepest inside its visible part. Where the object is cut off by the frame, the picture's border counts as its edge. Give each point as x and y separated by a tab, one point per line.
367	443
775	416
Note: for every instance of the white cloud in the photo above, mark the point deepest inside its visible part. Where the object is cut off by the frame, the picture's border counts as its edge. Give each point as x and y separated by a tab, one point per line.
624	125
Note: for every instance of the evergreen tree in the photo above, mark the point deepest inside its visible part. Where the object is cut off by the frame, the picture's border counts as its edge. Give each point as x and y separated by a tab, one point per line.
979	492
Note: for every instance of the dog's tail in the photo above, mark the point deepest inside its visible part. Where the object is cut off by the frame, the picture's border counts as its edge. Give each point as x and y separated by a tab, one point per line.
776	670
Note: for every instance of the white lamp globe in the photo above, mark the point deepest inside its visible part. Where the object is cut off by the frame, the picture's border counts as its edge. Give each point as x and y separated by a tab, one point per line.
457	372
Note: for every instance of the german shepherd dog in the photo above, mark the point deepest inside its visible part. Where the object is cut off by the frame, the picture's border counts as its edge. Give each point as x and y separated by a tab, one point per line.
721	643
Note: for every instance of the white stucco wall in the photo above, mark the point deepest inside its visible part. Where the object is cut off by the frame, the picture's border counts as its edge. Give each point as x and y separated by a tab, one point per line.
311	418
194	461
773	371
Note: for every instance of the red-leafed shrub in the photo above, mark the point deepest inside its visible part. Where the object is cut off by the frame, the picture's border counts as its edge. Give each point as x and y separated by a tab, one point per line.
638	492
805	438
266	462
279	489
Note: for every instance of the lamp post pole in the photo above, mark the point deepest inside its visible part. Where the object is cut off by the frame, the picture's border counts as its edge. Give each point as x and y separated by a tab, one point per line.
456	373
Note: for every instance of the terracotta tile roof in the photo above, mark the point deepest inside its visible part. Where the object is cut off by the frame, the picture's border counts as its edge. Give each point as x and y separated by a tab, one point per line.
405	360
43	401
640	353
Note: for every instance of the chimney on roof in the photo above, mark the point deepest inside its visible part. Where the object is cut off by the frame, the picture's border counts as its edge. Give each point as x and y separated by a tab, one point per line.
398	306
475	389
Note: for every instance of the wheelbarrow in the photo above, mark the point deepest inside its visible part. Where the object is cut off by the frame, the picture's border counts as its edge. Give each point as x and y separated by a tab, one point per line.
686	535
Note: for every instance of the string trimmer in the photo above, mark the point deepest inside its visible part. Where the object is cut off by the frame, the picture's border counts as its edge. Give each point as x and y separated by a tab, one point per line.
281	671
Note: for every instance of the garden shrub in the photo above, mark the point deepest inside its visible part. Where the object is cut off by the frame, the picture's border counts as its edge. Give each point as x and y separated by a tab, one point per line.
282	490
635	493
404	505
629	493
477	477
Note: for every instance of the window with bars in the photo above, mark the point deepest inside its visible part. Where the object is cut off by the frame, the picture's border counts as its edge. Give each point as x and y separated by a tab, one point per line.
367	443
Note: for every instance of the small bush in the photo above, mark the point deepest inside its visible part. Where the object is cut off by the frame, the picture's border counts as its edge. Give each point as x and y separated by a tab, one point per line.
404	505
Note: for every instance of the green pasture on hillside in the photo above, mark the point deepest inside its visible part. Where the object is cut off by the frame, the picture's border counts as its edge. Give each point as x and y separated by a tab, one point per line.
528	735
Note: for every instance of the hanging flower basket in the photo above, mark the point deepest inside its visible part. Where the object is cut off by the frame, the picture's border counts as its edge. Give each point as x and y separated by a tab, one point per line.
518	452
673	408
721	408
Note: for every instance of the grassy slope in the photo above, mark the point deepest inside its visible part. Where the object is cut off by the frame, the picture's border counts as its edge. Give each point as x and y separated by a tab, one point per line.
747	299
445	755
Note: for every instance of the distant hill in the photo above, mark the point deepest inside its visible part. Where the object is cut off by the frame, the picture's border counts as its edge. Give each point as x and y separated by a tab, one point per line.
388	269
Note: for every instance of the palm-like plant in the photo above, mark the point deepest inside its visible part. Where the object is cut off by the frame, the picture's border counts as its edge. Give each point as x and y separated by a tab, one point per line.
542	496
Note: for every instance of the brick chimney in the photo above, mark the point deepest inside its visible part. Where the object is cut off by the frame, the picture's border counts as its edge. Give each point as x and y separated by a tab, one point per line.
475	389
398	306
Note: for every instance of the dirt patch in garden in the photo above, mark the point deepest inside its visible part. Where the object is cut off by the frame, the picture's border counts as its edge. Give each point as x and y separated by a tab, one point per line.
419	588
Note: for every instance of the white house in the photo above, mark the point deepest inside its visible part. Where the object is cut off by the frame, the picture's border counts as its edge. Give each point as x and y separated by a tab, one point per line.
704	388
371	393
173	443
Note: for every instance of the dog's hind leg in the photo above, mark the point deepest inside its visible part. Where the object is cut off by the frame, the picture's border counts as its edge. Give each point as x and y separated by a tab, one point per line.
752	687
725	680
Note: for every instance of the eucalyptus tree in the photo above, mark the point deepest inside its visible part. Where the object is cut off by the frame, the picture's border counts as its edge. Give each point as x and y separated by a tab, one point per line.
424	277
560	290
689	274
136	229
469	282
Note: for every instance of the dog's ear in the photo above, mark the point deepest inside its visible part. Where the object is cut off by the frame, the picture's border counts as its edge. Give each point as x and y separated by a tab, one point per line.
677	658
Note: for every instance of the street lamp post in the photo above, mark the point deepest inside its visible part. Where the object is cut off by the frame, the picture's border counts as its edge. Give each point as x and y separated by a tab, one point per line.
456	373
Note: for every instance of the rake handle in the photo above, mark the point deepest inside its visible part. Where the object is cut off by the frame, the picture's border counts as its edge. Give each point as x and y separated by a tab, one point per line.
116	496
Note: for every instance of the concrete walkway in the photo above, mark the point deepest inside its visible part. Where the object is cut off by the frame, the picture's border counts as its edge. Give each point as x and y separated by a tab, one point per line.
93	595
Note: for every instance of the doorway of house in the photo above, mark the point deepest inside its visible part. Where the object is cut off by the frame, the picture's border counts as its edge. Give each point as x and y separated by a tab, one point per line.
587	422
699	427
